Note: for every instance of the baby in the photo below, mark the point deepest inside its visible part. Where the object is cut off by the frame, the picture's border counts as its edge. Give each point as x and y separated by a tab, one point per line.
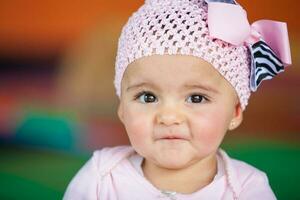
184	73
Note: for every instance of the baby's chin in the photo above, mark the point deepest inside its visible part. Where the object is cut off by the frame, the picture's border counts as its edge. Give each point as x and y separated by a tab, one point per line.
173	159
173	164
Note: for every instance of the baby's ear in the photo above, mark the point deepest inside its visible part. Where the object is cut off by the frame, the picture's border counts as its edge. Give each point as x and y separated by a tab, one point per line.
237	117
120	112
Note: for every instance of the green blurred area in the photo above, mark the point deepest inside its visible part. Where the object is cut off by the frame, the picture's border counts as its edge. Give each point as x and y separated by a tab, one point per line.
280	161
30	173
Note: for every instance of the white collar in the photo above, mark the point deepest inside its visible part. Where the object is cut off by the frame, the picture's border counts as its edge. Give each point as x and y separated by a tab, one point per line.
137	160
224	167
128	151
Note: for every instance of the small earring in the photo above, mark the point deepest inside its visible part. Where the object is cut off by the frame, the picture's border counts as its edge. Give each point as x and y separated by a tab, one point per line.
232	124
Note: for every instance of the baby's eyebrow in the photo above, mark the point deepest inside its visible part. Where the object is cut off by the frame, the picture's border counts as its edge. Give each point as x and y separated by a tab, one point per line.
140	85
201	86
186	86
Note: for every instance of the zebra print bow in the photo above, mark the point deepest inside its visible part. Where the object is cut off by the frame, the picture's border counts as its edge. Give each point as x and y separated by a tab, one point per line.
264	64
267	40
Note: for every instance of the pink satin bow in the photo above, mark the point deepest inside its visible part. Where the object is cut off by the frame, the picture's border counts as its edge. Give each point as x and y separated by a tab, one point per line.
229	23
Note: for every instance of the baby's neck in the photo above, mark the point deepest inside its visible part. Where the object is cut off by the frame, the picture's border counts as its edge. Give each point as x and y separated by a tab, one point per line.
186	180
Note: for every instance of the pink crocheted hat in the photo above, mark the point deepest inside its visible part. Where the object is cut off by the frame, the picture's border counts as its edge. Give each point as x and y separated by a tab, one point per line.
181	27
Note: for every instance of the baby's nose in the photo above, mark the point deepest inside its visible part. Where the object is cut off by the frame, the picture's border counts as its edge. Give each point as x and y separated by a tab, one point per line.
170	115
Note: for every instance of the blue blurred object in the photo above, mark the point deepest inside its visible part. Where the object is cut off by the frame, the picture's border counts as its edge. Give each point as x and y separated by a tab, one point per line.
48	129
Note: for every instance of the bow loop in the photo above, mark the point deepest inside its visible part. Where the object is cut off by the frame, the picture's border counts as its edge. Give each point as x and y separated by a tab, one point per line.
275	34
228	22
268	40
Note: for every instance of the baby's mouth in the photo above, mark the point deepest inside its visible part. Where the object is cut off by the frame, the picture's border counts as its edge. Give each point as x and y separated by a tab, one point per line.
172	137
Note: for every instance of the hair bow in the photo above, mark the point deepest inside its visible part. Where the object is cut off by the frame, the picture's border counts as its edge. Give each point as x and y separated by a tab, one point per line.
267	40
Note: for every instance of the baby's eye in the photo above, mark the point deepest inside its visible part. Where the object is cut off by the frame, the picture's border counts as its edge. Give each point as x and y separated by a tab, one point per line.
145	97
196	98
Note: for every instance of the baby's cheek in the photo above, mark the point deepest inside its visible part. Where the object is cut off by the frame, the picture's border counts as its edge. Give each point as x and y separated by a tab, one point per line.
209	132
138	130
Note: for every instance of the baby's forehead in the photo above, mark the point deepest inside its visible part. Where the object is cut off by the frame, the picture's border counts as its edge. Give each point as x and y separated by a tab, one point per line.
173	71
176	66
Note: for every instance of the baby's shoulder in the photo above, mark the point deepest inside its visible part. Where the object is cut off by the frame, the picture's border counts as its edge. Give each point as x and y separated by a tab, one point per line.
246	169
107	157
247	181
111	151
244	172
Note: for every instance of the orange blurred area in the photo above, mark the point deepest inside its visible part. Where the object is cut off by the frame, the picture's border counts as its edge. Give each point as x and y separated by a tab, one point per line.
44	26
35	27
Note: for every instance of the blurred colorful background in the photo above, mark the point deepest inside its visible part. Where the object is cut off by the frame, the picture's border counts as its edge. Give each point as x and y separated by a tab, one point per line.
58	104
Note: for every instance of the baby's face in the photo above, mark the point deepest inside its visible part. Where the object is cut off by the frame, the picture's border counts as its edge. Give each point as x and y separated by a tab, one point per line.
176	109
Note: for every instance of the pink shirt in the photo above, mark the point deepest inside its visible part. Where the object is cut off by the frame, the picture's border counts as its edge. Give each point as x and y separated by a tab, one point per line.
116	174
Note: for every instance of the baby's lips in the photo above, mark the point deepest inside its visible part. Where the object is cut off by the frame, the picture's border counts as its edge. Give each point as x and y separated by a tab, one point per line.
173	136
